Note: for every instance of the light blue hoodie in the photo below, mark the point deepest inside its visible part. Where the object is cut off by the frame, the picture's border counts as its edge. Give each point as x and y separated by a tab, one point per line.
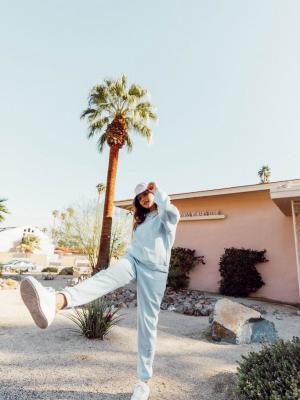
153	239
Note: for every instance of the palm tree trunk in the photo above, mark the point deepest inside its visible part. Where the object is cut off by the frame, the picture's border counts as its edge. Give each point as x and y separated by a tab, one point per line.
103	257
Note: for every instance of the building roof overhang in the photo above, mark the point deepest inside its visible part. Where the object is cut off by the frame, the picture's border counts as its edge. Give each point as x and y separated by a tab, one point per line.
283	196
127	204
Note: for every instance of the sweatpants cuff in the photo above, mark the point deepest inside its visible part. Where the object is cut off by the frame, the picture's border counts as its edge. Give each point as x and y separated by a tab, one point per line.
68	298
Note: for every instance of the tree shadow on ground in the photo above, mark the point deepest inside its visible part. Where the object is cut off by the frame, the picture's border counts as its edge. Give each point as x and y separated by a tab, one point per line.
23	394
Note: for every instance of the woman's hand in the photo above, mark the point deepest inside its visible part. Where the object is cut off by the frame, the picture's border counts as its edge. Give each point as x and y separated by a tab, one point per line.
151	186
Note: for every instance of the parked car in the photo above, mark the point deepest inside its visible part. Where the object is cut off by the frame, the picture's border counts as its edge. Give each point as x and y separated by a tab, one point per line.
22	265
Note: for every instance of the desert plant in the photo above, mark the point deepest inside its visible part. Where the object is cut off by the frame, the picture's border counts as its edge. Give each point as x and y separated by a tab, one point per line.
272	373
95	320
50	269
19	271
238	272
181	262
1	271
29	243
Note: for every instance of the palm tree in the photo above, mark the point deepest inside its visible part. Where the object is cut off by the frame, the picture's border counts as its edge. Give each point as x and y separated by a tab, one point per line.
101	189
3	209
55	214
44	230
29	243
264	173
63	216
70	212
113	110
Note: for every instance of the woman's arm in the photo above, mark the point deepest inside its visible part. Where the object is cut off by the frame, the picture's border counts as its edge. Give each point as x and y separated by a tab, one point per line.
168	213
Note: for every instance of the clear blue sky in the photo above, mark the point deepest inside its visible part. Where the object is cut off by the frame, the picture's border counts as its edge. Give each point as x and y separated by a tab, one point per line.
224	76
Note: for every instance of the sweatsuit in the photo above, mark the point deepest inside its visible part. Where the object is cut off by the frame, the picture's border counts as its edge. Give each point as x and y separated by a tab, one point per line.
146	262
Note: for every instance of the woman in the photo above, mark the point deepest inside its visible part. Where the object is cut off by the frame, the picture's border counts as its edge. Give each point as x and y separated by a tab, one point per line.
146	262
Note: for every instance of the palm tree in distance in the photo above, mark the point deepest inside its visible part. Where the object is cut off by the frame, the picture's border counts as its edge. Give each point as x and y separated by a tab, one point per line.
70	212
264	173
63	216
114	110
101	189
55	214
3	209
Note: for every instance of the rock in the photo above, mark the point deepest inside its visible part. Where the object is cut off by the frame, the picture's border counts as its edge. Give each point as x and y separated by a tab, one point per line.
8	287
234	323
164	306
188	310
197	313
298	313
11	282
205	312
172	308
66	271
199	305
169	299
179	309
210	308
132	305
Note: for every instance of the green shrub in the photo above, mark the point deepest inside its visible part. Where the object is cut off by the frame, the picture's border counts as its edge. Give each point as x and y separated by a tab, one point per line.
95	320
238	272
273	373
182	260
50	269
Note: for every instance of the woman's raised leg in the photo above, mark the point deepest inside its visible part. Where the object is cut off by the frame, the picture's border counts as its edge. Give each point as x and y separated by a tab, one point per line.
120	273
42	304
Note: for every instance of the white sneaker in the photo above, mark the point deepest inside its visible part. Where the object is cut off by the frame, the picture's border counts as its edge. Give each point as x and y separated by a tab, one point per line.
141	391
40	302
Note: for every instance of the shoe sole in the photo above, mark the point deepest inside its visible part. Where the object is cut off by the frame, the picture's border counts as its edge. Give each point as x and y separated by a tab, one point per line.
31	300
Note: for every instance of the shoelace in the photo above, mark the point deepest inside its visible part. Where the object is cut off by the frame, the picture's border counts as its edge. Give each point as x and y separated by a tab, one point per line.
139	390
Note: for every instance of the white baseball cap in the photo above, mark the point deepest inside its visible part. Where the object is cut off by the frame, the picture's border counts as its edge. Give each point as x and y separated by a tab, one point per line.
140	188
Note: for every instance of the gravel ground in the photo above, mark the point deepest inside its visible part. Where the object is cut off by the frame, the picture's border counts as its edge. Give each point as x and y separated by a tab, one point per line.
58	364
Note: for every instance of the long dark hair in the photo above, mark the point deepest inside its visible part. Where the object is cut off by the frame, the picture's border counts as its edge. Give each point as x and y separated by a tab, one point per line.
140	212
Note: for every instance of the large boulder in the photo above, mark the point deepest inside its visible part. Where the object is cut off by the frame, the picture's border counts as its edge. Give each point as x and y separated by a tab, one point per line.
234	323
67	271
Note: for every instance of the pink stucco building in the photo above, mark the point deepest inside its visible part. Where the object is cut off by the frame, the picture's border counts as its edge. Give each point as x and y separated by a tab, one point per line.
262	216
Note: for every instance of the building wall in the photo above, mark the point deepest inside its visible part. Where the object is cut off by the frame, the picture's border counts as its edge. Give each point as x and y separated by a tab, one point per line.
10	238
252	221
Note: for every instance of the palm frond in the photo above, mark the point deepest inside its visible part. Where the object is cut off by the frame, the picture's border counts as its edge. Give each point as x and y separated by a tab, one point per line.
97	126
138	127
101	142
138	91
129	143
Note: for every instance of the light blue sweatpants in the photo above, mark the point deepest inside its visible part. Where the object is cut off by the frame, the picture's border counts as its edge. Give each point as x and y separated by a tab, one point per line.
151	285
